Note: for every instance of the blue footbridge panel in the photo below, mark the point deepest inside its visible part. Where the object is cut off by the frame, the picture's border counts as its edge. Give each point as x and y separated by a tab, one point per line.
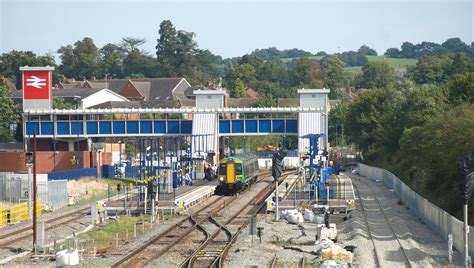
147	127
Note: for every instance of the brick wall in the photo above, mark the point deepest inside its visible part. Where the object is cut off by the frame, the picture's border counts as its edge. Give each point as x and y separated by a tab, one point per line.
15	161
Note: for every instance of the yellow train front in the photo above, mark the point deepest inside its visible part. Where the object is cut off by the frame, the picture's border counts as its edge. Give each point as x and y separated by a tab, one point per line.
236	173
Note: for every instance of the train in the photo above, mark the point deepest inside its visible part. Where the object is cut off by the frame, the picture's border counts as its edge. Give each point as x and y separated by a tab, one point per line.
236	172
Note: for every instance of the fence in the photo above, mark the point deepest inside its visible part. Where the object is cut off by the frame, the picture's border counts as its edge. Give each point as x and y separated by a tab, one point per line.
437	219
268	154
57	194
14	188
17	213
72	174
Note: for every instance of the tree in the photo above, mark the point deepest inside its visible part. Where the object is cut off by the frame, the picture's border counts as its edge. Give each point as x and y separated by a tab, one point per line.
11	62
59	103
138	63
364	125
377	74
307	73
9	114
80	61
392	53
428	158
430	69
408	50
365	50
352	58
239	89
128	44
460	88
111	57
333	70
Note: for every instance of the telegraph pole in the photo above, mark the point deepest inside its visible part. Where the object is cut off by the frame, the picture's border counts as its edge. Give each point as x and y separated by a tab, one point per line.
34	191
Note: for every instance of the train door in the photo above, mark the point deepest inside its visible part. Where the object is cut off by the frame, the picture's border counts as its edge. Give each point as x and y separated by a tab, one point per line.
230	172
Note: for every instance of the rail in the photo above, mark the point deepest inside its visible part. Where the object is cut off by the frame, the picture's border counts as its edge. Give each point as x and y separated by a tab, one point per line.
389	224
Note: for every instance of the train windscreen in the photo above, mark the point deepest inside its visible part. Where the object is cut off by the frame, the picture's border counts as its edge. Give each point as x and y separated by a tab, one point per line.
222	170
238	169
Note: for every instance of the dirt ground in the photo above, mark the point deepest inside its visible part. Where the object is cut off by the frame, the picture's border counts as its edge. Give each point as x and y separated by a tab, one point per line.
90	188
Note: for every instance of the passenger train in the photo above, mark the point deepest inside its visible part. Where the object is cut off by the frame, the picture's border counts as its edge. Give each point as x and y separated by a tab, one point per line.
237	172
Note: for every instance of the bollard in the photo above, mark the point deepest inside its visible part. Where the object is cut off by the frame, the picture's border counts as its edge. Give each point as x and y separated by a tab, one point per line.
116	239
143	226
135	230
126	236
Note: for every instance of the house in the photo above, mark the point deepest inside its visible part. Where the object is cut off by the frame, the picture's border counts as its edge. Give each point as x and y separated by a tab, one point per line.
81	97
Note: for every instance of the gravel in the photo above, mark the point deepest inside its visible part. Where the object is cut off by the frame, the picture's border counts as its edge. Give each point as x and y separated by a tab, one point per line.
286	241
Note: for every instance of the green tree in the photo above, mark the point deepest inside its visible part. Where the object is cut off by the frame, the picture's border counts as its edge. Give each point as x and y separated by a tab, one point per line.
377	74
11	62
111	57
138	63
333	71
337	118
166	48
9	114
239	90
429	155
460	88
366	50
59	103
430	69
364	126
80	61
392	53
128	44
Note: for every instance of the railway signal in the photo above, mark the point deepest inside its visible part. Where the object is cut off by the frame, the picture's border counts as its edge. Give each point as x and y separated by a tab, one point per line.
466	185
277	165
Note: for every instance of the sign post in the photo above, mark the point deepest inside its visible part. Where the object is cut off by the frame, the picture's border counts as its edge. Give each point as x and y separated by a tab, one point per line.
37	87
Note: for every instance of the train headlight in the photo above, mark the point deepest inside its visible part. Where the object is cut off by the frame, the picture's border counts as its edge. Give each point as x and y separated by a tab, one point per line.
221	178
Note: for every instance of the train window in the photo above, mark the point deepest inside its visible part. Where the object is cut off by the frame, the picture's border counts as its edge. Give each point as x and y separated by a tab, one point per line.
222	169
238	169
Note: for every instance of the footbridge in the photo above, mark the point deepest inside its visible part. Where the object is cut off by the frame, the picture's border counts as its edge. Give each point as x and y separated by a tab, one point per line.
208	120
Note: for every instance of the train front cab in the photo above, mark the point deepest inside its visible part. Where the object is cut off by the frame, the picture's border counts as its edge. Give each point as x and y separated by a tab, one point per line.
230	176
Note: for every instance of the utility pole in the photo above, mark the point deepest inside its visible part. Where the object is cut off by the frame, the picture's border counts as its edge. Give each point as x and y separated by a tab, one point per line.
277	212
34	191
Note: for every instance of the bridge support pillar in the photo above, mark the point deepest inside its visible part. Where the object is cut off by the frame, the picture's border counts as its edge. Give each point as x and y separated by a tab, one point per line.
313	122
207	124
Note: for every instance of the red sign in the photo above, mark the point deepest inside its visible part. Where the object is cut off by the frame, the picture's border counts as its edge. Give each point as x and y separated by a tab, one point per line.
37	85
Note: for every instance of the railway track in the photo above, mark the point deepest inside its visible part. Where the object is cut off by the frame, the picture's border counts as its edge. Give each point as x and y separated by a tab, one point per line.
274	264
162	243
215	245
212	252
26	232
379	227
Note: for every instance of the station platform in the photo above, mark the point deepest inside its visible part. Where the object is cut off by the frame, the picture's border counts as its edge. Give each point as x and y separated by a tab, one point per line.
297	195
185	197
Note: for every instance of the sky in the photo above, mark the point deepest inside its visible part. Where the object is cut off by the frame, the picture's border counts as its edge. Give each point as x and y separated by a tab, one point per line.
234	28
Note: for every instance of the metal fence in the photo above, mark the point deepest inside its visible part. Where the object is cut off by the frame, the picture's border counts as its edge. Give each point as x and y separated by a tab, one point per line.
437	219
14	188
57	194
268	154
72	174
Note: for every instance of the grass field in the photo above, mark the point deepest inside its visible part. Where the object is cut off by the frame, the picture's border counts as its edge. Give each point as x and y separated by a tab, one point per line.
394	62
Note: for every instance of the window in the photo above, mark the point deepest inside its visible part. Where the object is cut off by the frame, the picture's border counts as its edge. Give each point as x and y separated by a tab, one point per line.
222	169
238	169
